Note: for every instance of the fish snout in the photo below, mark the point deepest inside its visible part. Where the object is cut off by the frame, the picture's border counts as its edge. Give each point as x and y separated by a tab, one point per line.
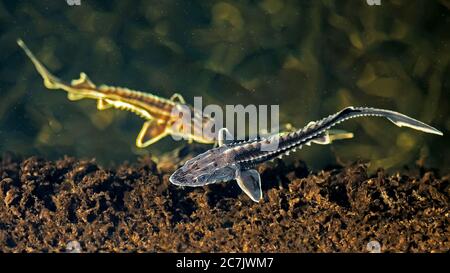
179	178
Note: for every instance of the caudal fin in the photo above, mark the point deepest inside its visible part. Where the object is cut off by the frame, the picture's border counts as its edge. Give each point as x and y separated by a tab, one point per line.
50	81
401	120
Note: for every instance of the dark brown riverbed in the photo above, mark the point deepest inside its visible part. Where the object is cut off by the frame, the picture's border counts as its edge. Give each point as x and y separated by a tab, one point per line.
46	204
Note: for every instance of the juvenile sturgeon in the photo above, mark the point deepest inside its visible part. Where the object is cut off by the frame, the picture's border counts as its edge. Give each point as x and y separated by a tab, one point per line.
161	119
236	160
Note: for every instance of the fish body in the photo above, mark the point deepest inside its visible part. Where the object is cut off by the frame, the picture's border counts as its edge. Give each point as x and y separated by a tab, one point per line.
162	115
236	160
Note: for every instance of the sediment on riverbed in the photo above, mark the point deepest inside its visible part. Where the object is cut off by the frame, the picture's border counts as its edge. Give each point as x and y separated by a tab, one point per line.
46	206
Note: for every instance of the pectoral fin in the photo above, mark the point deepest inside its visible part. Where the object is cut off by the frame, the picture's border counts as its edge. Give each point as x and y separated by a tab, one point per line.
250	182
150	133
332	135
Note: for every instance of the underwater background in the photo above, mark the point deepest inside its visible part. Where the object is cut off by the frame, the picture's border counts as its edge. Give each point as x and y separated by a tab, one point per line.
312	58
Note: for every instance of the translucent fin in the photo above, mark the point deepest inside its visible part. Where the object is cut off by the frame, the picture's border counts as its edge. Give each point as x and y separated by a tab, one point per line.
250	182
150	133
397	118
402	120
224	136
332	135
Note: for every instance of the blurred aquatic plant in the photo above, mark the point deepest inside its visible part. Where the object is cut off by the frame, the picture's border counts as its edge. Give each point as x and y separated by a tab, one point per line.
310	57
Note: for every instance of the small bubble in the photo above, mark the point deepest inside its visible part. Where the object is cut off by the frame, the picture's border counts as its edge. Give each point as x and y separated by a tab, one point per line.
73	247
373	247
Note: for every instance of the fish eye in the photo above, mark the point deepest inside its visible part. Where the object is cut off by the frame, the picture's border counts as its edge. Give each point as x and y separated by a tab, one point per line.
202	178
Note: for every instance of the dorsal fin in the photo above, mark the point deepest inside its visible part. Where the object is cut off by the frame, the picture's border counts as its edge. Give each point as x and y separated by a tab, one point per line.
83	82
178	98
224	137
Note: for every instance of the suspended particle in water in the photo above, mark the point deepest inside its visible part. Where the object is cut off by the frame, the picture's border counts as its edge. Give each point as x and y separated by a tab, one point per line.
373	247
73	247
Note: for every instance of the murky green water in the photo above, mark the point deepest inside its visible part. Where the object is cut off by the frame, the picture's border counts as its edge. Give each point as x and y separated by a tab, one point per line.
312	58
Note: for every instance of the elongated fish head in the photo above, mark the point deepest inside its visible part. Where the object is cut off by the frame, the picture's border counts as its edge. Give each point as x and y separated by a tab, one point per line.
213	166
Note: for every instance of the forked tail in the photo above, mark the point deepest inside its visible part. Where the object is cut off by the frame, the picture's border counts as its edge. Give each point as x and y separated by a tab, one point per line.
318	128
397	118
315	131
